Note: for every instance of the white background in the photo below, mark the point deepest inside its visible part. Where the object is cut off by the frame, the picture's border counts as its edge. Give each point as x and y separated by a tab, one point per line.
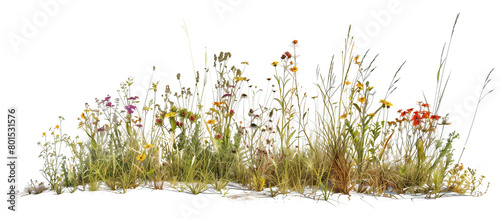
81	50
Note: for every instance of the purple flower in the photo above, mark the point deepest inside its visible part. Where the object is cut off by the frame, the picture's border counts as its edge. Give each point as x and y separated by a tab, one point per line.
226	95
107	98
130	109
100	129
133	98
139	125
109	104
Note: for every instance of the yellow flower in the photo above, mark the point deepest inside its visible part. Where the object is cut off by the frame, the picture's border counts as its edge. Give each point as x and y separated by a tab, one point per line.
142	168
362	99
211	122
147	146
386	103
370	88
57	126
44	134
79	142
347	82
83	116
171	114
57	136
359	85
371	114
141	157
343	116
275	64
294	69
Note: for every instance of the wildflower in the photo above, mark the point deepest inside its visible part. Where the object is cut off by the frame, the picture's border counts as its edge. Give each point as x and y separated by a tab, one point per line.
371	114
130	109
231	113
226	95
108	104
435	117
386	103
425	105
294	69
100	129
57	126
288	55
283	56
57	136
274	64
83	116
191	118
171	114
43	134
147	146
356	60
79	142
359	85
159	121
141	157
343	116
347	82
362	99
211	122
295	42
139	125
370	88
244	63
268	79
133	98
106	99
219	136
426	115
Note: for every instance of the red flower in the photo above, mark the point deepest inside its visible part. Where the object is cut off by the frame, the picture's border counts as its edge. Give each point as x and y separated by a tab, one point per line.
409	110
436	117
425	105
288	55
283	56
399	111
416	122
426	115
219	136
192	118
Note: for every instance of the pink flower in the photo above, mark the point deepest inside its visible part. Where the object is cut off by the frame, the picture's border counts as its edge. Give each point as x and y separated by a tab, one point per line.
226	95
130	109
133	98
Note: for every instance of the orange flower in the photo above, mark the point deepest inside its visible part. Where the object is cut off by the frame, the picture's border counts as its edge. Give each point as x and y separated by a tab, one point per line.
57	126
356	60
359	85
295	42
44	134
386	103
294	69
274	64
347	82
425	105
343	116
362	99
211	122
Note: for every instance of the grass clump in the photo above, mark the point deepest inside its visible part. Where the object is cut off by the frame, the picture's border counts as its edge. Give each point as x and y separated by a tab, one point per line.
261	139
